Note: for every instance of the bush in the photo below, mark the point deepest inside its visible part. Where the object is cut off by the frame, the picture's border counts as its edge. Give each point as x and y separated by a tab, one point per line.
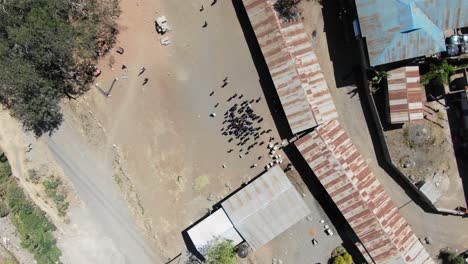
53	191
3	209
347	258
449	257
34	176
220	252
439	73
5	170
339	260
341	256
287	9
33	227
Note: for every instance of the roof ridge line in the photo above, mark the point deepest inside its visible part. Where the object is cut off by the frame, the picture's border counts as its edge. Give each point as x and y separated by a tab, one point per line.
356	188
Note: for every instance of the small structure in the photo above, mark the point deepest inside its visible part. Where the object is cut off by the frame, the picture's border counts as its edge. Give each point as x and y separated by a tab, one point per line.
215	226
430	190
265	208
257	213
162	25
405	95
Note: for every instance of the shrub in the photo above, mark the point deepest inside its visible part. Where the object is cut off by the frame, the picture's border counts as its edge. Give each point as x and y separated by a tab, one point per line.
339	260
439	73
5	170
449	257
347	258
341	256
3	209
287	9
53	191
34	176
33	227
221	252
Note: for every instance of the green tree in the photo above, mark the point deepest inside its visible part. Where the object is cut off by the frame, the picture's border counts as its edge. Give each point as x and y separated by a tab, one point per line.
47	49
439	73
448	257
348	258
221	252
339	260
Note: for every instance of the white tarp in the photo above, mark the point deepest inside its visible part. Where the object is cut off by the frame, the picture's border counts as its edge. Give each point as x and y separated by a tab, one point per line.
215	226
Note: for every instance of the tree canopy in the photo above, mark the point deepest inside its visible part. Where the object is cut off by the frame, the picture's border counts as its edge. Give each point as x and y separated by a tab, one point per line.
47	49
438	72
287	9
221	252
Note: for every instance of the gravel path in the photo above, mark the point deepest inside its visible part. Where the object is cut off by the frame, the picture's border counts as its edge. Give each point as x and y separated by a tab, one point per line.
101	230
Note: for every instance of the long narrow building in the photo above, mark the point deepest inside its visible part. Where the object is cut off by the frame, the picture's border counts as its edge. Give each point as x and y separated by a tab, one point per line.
384	235
293	66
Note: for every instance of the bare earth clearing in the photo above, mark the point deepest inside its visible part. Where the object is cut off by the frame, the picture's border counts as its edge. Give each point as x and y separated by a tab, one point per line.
168	152
423	151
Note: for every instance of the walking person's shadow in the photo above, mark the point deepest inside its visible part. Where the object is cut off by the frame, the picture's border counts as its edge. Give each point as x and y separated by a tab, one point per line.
353	92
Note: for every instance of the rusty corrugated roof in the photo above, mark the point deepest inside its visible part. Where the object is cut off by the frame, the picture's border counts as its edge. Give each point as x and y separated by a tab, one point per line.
405	95
385	236
293	67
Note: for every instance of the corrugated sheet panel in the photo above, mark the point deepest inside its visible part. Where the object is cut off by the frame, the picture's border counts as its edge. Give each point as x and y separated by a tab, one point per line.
405	95
293	67
385	235
396	30
265	208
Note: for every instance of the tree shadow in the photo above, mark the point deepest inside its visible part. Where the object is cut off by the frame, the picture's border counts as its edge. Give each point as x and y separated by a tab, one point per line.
316	188
454	114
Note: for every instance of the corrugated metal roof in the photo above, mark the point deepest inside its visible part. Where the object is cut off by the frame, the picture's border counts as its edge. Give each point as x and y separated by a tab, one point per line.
396	30
293	66
405	95
265	208
216	226
385	236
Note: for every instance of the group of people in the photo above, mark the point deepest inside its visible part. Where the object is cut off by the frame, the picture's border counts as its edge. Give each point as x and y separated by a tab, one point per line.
242	124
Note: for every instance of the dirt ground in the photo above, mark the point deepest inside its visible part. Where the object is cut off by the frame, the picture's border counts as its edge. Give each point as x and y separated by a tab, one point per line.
423	151
168	151
171	149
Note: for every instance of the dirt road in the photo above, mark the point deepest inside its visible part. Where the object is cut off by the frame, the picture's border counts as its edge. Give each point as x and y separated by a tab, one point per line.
106	231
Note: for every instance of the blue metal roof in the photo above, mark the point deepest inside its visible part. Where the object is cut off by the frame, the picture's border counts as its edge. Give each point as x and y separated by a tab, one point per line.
396	30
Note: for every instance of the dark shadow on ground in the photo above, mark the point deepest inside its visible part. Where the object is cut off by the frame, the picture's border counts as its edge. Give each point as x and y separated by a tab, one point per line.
455	120
343	229
265	79
340	39
188	242
378	140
